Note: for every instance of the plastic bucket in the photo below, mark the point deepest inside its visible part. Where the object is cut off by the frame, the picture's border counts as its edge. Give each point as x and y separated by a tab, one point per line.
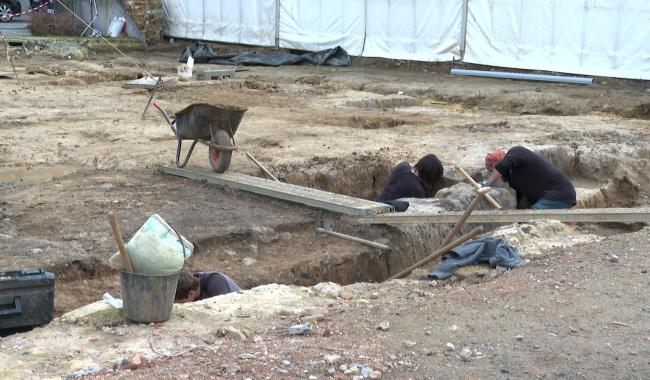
155	248
148	298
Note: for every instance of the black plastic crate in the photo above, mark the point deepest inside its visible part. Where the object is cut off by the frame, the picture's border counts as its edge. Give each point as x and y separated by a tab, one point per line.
26	298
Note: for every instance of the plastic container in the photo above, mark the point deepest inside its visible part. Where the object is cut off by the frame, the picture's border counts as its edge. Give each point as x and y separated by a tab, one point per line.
26	298
116	27
155	249
148	298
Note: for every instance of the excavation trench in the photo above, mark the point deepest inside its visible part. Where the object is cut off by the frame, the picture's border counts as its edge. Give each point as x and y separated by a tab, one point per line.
295	253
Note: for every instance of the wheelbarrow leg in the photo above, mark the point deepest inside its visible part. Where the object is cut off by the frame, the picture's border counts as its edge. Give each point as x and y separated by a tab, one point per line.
178	153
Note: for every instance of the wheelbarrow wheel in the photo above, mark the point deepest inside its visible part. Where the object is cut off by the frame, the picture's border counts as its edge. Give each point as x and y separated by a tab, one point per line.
220	159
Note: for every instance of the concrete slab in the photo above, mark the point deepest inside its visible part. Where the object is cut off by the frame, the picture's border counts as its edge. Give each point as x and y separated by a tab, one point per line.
214	74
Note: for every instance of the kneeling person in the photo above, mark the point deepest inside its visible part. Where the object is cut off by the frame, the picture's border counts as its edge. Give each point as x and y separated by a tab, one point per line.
202	285
537	182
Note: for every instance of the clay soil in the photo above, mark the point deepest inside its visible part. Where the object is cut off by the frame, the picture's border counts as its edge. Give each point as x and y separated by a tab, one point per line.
75	146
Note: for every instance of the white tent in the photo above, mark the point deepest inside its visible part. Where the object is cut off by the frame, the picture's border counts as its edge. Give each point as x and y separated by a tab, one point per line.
591	37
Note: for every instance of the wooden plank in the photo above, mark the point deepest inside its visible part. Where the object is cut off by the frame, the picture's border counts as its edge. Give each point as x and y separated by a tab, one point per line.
280	190
593	215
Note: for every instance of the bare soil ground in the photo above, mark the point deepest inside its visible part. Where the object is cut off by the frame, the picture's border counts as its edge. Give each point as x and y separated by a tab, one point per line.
572	315
75	146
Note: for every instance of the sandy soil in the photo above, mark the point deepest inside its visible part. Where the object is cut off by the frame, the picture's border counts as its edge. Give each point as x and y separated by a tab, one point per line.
75	147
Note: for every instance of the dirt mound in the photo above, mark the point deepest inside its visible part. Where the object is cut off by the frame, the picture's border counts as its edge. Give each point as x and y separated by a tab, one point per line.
620	170
362	176
642	111
374	122
384	102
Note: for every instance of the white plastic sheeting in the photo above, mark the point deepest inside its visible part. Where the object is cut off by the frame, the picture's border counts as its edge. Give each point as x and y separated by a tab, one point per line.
250	22
422	30
322	24
593	37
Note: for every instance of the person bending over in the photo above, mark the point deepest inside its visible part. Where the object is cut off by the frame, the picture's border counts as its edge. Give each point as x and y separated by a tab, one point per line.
408	181
537	182
202	285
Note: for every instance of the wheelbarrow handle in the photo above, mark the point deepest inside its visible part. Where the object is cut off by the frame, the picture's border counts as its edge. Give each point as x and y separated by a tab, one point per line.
166	116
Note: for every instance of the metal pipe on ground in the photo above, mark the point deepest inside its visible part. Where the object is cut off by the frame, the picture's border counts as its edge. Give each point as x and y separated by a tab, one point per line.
522	76
354	239
441	251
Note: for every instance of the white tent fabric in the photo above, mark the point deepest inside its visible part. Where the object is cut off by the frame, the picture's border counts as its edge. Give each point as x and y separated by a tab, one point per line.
422	30
593	37
184	19
590	37
322	24
251	22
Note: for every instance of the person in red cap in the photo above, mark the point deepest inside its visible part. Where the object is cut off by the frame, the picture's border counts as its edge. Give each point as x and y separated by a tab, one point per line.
537	182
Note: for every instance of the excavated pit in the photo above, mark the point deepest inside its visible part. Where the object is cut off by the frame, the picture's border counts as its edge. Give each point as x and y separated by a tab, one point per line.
294	253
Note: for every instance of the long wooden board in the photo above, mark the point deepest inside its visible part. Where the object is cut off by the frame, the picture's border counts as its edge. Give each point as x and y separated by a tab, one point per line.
593	215
311	197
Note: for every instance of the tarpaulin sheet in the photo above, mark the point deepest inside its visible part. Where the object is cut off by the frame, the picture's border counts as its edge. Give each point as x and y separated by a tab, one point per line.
251	22
204	54
422	30
321	24
592	37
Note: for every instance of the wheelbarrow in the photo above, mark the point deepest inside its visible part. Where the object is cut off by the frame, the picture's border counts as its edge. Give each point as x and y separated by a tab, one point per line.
210	125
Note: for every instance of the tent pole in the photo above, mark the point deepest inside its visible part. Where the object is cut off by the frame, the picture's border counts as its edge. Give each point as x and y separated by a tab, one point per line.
277	24
463	29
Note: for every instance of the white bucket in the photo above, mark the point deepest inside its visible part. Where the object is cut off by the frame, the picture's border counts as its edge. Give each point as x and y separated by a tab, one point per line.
116	26
154	249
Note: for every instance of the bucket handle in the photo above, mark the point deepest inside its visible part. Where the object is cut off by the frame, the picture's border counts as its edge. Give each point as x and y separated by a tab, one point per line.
180	240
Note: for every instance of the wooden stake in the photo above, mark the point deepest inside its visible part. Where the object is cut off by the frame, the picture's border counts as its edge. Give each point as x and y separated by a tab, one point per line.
354	239
477	186
461	222
441	251
259	165
120	242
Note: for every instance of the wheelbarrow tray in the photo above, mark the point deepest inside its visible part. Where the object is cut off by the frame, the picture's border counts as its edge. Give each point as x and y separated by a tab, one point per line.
200	121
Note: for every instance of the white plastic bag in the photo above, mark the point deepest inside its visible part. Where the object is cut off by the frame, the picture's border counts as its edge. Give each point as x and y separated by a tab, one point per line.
154	249
116	26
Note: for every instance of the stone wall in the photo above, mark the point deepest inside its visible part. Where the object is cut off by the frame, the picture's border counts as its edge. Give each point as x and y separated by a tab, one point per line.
148	16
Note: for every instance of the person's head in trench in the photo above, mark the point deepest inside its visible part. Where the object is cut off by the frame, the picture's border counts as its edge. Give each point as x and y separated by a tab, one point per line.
200	285
492	159
418	181
430	170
